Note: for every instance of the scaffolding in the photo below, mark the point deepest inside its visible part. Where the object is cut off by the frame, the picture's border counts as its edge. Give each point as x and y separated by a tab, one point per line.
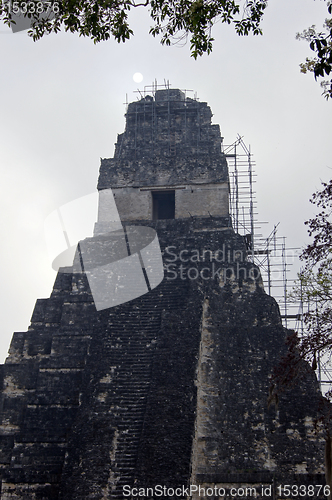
242	203
150	90
147	114
269	253
278	264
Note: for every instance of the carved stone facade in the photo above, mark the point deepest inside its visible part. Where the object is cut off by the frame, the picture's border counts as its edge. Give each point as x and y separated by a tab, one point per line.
170	388
162	132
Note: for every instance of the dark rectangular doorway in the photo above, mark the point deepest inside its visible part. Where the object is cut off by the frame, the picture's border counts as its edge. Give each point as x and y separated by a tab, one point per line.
163	205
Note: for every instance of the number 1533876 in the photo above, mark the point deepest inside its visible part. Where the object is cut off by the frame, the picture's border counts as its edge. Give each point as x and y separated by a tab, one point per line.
303	490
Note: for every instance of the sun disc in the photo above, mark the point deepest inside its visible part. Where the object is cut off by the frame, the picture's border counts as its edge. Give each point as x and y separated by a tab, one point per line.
138	77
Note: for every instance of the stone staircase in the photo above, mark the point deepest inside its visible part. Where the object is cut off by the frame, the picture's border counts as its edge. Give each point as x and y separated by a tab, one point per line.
77	386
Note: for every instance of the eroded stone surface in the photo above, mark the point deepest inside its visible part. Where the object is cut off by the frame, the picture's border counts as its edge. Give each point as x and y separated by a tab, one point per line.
170	388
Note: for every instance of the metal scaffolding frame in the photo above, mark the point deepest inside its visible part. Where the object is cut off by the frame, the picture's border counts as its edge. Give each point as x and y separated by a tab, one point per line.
270	253
242	203
150	90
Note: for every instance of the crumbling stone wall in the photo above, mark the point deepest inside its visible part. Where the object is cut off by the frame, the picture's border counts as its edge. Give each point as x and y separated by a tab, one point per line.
170	388
169	141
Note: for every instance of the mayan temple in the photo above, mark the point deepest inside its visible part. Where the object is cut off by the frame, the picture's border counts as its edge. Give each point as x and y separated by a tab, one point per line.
147	370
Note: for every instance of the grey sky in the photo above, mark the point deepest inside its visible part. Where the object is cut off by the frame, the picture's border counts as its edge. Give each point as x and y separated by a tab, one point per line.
62	108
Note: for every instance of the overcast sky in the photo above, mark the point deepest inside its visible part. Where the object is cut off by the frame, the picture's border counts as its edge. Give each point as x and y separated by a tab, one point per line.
62	108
